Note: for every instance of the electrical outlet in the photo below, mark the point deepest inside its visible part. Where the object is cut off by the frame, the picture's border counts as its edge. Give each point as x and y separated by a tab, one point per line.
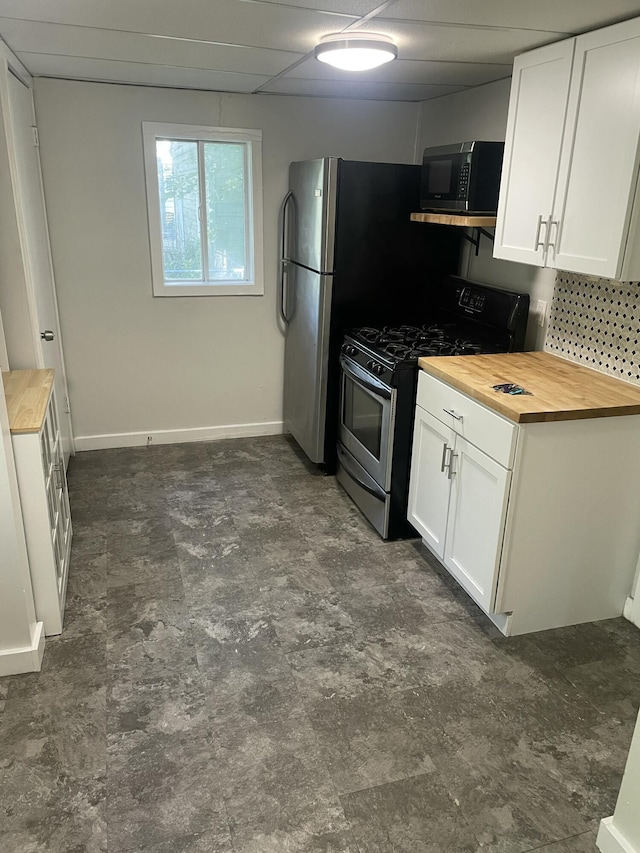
541	311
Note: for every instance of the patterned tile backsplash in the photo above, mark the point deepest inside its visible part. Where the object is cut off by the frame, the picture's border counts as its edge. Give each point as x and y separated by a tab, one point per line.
596	322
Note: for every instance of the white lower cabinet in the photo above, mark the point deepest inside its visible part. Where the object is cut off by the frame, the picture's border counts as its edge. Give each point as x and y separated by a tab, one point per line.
429	492
477	508
457	502
46	515
538	522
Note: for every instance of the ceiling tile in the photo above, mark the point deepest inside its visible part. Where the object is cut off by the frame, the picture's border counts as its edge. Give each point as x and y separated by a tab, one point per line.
353	89
227	21
442	42
568	17
61	39
343	7
132	72
407	71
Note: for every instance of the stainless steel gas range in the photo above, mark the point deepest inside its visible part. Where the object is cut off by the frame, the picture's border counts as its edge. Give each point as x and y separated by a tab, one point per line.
379	369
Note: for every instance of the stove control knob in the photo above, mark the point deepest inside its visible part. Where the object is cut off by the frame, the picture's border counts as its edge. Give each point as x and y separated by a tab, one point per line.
378	369
347	349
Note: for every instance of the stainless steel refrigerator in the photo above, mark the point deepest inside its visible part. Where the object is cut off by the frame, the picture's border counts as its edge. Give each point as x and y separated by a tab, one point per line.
350	256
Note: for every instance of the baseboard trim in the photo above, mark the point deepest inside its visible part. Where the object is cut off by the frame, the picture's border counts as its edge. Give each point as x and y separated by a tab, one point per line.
29	659
610	840
176	436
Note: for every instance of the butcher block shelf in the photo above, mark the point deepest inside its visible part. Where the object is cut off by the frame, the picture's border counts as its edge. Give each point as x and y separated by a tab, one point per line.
455	219
27	394
560	390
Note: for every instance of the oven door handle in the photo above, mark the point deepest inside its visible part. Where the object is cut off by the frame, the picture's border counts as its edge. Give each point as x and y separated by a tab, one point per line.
376	491
356	373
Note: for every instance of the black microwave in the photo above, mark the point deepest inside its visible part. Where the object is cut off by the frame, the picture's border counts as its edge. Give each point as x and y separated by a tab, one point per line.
462	178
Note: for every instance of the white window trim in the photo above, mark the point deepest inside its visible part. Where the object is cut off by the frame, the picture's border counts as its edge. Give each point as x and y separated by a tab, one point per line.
151	131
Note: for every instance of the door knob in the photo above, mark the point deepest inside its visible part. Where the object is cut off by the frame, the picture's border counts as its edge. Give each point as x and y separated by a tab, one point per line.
48	335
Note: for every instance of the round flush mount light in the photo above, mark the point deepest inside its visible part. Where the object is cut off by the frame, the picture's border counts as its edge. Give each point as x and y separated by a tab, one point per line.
355	51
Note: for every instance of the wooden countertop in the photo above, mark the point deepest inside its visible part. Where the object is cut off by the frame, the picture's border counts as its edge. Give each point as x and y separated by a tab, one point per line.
27	393
560	390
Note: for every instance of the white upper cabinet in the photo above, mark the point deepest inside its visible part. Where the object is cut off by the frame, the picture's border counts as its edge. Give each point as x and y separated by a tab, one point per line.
568	193
537	111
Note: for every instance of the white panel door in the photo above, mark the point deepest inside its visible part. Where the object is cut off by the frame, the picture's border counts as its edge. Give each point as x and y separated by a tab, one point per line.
34	238
477	511
599	163
429	484
537	109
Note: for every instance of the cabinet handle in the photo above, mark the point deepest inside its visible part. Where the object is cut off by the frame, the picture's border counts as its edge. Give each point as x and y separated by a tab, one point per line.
538	244
453	414
58	478
549	244
443	463
451	471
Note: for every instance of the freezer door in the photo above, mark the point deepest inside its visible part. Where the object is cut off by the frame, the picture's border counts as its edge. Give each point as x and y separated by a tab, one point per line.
311	214
306	358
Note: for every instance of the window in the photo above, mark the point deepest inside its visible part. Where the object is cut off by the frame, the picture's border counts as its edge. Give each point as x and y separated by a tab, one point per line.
204	201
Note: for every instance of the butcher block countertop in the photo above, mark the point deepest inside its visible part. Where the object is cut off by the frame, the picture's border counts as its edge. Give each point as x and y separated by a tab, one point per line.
560	390
27	393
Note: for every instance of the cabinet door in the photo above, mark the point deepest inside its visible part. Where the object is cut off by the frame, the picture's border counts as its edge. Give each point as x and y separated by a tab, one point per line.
429	485
475	527
537	109
598	169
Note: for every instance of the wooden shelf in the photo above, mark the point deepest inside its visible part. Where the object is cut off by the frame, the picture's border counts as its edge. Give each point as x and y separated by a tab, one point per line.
455	219
27	393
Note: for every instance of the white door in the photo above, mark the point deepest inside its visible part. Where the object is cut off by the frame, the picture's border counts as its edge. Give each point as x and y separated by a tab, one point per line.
429	484
34	237
598	169
537	108
477	511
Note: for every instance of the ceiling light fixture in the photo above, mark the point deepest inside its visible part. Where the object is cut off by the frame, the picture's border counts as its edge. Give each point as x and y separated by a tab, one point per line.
355	51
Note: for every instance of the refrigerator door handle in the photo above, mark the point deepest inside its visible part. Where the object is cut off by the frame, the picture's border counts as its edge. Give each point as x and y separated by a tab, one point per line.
283	258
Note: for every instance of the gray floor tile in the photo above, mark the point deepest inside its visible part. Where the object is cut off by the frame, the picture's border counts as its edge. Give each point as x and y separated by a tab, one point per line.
584	843
247	668
299	840
516	812
370	740
162	787
177	703
141	551
413	815
275	780
149	635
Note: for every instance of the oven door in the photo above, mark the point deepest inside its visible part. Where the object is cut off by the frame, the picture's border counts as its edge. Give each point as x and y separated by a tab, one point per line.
367	416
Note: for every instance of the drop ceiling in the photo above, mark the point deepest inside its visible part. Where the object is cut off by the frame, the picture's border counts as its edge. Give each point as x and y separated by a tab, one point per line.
265	47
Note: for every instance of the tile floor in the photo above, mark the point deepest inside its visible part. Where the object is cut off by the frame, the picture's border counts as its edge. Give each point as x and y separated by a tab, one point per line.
247	668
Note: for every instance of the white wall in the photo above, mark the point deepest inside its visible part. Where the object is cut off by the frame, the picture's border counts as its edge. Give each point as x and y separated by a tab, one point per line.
481	113
139	364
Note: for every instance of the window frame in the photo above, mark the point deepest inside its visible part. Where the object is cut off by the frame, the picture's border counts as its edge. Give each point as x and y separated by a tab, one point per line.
252	139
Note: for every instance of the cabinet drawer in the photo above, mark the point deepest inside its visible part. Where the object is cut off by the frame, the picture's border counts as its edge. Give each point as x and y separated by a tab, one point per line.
487	430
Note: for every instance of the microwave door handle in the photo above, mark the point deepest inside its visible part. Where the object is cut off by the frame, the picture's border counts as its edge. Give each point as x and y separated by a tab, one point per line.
371	385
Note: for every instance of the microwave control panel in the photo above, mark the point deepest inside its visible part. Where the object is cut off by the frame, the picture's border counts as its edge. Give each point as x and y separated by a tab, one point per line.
463	182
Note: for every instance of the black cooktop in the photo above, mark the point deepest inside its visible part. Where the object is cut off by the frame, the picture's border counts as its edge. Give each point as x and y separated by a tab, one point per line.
408	343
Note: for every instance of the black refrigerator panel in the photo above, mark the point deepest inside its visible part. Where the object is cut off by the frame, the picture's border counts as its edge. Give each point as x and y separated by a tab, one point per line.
387	268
